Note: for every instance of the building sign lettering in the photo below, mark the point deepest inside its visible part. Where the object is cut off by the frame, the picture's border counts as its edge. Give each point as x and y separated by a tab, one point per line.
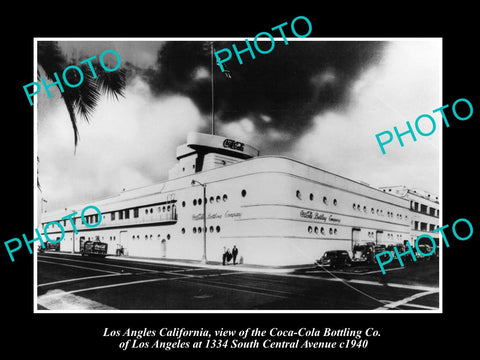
234	145
315	215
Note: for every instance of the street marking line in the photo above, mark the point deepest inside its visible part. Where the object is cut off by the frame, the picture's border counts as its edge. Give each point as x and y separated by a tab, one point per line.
404	301
49	295
114	285
82	278
77	266
365	282
236	286
100	263
353	273
236	289
422	306
67	301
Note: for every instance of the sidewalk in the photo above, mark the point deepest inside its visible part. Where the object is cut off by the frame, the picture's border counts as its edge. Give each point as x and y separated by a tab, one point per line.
214	264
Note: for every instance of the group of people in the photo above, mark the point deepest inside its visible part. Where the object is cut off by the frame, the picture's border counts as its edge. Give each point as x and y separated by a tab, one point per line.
229	255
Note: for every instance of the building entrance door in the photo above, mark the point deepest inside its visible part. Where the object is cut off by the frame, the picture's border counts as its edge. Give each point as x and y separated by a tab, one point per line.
122	242
163	248
355	237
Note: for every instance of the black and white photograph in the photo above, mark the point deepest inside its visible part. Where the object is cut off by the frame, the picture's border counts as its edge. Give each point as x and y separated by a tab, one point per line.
259	188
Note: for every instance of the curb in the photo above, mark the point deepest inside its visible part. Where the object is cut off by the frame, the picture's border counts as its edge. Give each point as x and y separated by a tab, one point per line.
240	268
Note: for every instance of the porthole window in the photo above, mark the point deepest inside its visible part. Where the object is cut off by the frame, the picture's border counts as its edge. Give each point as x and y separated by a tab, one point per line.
322	230
217	229
330	231
335	202
364	209
168	236
211	229
225	197
325	200
151	237
194	202
183	230
299	195
218	198
212	199
199	201
163	209
244	193
199	230
315	230
183	203
354	206
372	211
146	211
309	229
335	231
194	230
168	208
311	197
146	237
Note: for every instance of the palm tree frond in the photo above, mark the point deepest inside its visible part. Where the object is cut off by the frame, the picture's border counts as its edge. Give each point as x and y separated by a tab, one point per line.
112	83
84	98
73	118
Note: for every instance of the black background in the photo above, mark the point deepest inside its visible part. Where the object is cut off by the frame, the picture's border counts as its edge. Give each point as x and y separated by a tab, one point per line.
80	335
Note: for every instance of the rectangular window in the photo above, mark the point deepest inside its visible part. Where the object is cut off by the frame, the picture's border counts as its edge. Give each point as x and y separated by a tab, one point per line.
120	215
423	226
423	209
416	225
135	212
432	227
127	214
432	211
112	215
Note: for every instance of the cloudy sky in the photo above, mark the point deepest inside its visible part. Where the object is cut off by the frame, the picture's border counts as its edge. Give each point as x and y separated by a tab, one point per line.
320	102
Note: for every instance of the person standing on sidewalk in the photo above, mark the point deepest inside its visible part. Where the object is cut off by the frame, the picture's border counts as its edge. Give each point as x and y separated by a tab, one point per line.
234	254
224	255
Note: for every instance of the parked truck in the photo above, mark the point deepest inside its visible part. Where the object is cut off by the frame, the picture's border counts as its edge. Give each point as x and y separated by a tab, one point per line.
94	248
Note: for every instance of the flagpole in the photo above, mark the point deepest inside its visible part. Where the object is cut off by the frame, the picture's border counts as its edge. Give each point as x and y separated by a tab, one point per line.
211	74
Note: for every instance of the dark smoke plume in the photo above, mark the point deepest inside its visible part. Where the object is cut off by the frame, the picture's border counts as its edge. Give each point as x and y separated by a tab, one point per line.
283	89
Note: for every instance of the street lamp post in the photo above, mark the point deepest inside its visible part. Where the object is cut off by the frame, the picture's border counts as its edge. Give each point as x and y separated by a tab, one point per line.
73	232
204	257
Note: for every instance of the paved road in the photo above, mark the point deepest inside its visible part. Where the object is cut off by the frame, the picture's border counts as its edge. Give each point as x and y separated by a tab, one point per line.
69	283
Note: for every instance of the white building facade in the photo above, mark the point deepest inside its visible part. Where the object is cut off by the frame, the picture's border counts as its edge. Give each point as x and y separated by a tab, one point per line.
424	209
221	193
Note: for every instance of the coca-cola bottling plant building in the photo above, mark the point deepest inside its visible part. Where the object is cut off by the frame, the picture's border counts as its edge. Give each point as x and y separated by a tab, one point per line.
277	211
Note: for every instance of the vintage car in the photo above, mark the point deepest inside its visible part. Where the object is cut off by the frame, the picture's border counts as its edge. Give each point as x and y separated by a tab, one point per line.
335	259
